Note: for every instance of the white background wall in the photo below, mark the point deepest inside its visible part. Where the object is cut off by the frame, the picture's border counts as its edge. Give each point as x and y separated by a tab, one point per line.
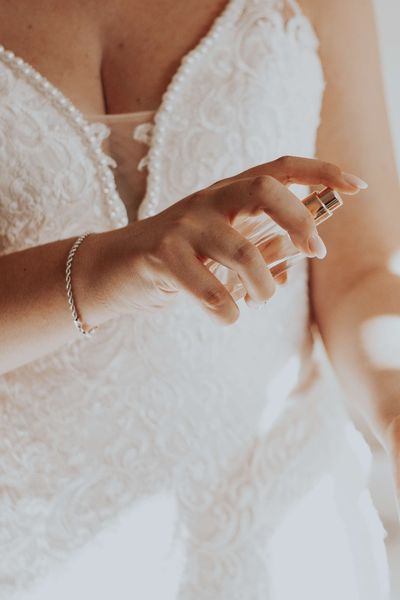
388	22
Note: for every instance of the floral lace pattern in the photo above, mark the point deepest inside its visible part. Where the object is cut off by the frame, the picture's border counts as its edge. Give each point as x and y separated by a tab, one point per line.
167	401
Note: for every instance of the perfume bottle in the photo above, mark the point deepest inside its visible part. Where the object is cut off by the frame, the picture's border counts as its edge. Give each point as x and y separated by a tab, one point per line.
279	252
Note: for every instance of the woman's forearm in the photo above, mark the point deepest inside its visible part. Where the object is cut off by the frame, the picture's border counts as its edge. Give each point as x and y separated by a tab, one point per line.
35	317
362	338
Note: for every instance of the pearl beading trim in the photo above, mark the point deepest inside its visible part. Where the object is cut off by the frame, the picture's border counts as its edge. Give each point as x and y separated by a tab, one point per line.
92	134
187	65
152	160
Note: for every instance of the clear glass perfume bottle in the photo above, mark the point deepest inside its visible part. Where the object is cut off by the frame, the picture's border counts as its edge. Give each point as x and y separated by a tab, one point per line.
280	253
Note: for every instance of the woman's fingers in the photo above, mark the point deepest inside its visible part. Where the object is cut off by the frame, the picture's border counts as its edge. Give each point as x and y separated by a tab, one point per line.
308	171
228	247
195	278
265	193
202	226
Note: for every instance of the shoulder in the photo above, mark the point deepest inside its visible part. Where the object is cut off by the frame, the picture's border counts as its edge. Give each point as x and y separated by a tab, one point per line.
336	13
344	28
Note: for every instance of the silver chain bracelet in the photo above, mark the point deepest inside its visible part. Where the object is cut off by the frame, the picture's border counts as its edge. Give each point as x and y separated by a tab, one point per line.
68	284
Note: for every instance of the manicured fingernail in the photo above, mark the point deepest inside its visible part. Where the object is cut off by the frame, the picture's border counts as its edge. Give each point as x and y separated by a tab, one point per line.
354	180
317	246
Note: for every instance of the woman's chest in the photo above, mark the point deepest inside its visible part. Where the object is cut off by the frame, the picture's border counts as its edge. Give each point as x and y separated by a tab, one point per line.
114	58
121	61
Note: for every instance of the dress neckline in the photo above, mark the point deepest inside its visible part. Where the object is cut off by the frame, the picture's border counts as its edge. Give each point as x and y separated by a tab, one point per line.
148	205
95	131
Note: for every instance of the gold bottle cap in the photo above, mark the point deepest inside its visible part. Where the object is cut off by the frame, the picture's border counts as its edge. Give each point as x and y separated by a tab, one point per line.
330	198
322	204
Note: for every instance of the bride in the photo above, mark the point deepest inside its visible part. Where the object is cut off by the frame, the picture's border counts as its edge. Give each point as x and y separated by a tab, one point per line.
138	396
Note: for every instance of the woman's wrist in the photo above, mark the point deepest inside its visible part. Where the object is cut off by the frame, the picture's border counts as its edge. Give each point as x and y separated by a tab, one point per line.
81	326
92	279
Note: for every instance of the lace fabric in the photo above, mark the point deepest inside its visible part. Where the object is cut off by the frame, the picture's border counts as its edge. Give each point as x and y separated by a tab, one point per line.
128	139
237	426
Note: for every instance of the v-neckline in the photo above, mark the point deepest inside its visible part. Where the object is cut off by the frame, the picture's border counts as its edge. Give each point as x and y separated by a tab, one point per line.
148	204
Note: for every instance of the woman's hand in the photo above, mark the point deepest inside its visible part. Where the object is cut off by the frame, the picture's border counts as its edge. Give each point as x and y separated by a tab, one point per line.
143	265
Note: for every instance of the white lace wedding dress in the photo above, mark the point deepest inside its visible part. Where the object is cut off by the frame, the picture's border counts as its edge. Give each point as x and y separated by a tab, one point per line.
169	457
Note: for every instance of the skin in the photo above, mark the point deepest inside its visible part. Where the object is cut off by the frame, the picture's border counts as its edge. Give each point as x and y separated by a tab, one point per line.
352	284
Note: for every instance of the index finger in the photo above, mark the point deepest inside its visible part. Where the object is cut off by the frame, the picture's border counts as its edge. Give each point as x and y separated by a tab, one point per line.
265	193
306	171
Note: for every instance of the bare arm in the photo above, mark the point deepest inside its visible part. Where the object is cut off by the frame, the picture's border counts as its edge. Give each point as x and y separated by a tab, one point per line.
34	314
355	292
